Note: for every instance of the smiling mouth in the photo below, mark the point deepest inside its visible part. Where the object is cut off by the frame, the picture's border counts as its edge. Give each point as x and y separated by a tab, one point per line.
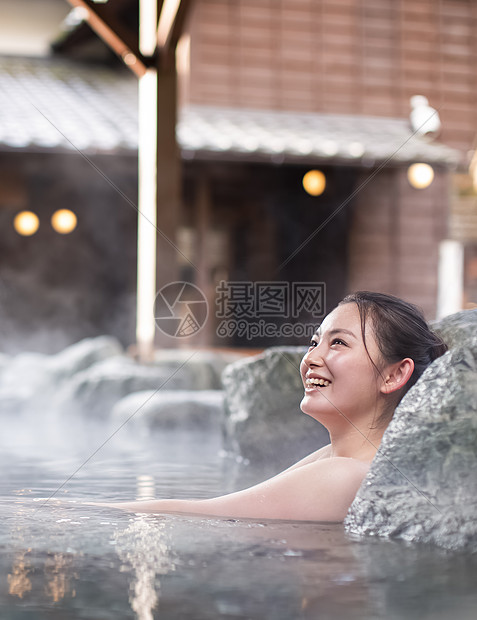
316	383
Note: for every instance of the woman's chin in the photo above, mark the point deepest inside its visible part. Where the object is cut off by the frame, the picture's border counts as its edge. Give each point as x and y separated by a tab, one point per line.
309	406
316	409
304	404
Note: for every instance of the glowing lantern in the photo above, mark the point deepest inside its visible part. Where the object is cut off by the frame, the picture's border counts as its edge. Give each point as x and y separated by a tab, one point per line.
314	182
420	176
26	223
64	221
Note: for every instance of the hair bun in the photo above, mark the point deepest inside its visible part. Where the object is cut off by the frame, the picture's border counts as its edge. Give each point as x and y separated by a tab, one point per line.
437	349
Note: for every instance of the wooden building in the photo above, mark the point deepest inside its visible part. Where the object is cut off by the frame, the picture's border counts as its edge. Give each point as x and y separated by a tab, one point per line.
271	89
363	60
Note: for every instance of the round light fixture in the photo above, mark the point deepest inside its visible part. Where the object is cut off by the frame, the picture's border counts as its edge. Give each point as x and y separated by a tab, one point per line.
64	221
314	182
26	223
420	176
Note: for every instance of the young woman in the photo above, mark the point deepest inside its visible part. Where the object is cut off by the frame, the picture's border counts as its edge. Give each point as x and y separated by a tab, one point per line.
366	354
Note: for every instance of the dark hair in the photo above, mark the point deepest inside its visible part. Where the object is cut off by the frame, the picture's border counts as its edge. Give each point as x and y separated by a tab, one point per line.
400	330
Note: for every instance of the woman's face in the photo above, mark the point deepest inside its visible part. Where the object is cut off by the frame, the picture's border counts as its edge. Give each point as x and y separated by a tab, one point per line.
337	373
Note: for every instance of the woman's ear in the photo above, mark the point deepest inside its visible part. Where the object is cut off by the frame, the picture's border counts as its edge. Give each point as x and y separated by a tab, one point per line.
397	375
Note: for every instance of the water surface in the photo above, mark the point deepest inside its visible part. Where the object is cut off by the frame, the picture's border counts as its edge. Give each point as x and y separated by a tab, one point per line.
63	559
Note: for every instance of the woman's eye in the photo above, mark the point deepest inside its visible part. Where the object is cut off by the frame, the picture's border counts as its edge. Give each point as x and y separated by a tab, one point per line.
312	344
338	341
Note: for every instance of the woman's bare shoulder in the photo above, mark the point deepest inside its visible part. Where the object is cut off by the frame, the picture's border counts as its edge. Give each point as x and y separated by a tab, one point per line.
320	490
338	479
322	453
344	466
340	475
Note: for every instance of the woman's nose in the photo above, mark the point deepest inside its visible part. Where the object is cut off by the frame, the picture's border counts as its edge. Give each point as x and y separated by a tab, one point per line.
313	357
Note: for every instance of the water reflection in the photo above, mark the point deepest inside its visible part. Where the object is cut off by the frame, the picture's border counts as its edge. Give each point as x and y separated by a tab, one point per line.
29	561
145	487
18	579
59	576
143	550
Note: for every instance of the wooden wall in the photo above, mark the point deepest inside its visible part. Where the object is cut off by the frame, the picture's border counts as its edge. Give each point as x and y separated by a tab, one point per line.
394	237
339	56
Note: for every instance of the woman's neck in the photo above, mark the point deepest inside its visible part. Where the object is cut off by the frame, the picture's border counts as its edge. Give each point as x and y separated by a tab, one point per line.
360	444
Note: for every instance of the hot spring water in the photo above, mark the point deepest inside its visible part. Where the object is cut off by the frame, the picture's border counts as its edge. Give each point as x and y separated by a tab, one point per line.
64	559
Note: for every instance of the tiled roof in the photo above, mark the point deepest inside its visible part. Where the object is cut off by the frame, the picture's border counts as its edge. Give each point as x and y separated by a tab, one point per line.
297	136
57	104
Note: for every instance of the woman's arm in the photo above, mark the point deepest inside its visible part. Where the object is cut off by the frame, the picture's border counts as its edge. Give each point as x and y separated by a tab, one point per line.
319	491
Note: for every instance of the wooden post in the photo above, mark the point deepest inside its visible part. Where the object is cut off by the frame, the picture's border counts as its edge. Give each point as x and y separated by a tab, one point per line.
161	176
168	170
203	211
147	187
147	216
151	56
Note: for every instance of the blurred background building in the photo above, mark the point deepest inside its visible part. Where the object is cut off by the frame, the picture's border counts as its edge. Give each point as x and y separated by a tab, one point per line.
357	91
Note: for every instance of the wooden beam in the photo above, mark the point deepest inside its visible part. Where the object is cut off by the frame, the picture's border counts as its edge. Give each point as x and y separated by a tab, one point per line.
118	37
171	23
179	23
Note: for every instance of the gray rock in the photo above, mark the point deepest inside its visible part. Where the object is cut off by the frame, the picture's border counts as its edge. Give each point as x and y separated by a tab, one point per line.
422	484
204	367
93	374
82	355
171	410
94	391
263	421
24	380
30	381
457	329
4	361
